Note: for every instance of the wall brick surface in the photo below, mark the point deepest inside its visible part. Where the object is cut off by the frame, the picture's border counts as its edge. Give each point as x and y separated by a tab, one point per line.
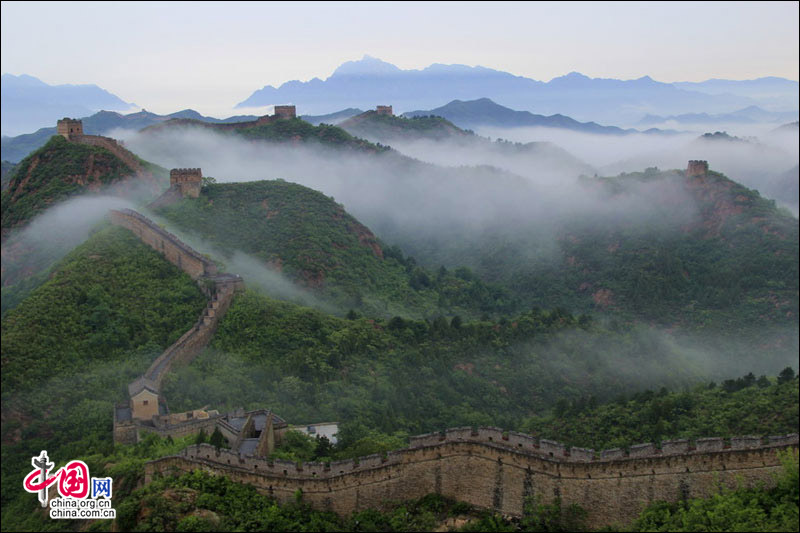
491	476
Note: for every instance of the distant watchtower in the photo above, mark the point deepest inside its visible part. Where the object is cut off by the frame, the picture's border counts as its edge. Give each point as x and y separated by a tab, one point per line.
69	126
285	111
697	168
186	180
384	110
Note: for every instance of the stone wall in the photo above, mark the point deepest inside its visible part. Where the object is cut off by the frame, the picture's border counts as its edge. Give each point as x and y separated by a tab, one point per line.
193	341
494	474
69	126
285	111
219	288
175	251
188	181
112	146
182	429
697	168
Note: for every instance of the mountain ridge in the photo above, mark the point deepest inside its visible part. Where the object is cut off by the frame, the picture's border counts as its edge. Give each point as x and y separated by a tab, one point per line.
375	81
28	103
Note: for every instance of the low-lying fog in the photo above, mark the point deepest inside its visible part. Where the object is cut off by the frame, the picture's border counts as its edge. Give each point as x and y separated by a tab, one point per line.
764	157
438	210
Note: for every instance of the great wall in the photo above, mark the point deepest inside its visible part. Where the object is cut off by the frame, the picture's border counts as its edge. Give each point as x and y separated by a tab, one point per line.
500	471
146	410
485	467
72	130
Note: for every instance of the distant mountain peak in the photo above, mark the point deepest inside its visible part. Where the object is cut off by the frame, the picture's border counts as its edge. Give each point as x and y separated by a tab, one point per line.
22	80
365	65
572	76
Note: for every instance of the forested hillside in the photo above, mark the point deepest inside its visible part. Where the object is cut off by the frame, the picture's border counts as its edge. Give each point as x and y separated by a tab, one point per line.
309	238
56	171
693	253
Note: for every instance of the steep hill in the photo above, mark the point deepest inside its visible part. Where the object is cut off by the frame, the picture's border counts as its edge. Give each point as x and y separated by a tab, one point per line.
5	173
278	131
688	252
101	123
70	349
371	125
309	238
486	113
332	118
439	141
110	296
62	169
52	181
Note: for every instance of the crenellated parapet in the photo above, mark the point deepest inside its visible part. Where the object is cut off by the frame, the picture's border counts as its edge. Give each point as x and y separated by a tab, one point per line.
562	453
285	111
550	451
69	126
697	168
500	471
186	181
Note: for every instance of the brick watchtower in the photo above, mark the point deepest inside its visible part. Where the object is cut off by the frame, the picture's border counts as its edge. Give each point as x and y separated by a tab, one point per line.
285	111
697	168
384	110
186	180
69	126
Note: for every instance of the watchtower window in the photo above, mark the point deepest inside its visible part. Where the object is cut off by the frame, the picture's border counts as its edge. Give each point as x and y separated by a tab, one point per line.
144	402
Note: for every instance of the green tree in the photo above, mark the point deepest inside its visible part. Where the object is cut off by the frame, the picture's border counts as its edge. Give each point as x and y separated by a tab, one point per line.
786	375
217	439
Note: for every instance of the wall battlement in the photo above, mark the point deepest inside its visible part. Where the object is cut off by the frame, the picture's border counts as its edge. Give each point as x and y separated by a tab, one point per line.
285	111
488	468
186	181
384	110
69	126
697	168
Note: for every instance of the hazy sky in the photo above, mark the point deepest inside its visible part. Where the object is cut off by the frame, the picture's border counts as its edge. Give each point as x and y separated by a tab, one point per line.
210	56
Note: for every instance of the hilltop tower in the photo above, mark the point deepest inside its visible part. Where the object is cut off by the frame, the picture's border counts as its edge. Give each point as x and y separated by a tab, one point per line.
69	126
285	111
697	168
384	110
186	180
